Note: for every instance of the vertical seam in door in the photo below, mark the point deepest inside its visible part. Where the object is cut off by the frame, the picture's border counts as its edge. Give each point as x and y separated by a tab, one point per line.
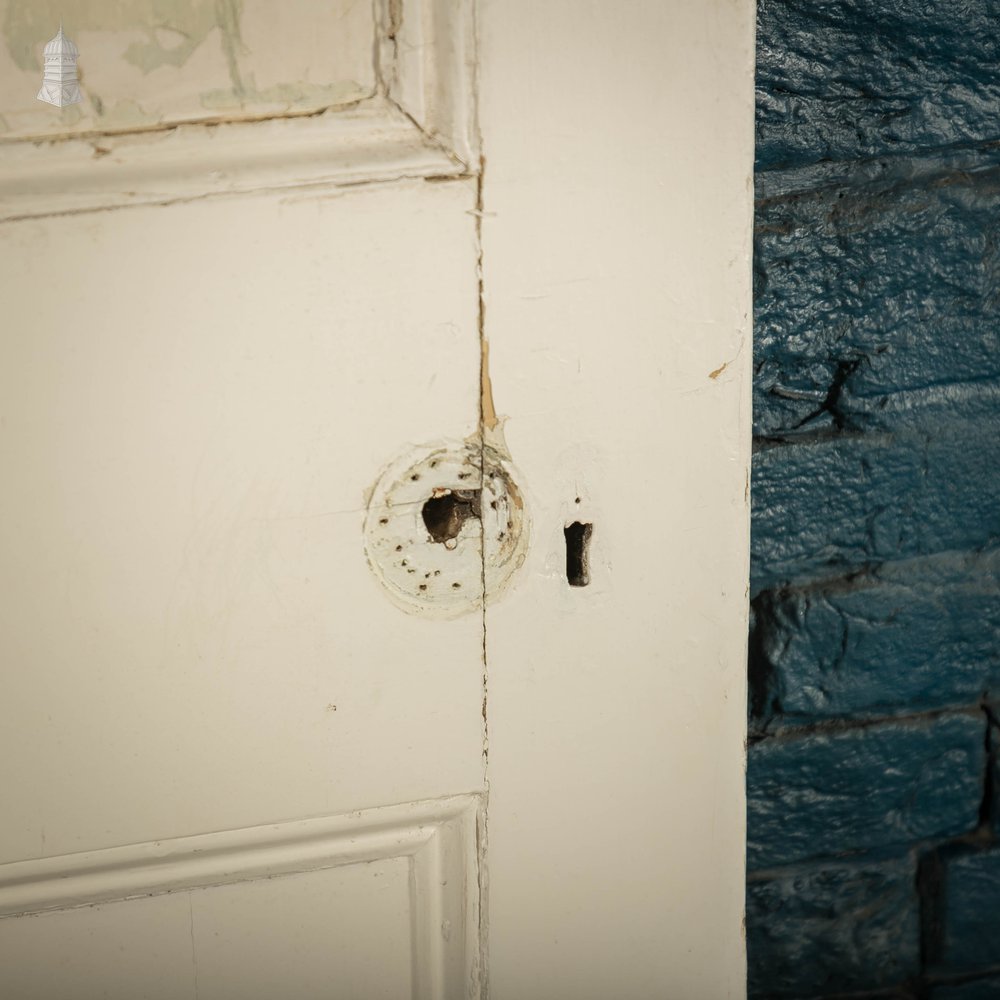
487	417
487	420
485	406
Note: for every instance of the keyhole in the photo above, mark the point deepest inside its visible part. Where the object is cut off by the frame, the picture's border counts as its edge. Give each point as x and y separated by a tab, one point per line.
577	557
444	515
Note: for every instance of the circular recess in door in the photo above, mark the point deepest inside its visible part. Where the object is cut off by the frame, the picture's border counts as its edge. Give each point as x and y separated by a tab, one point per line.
445	524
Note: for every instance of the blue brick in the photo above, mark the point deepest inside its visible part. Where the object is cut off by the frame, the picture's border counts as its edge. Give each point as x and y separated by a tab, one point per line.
978	989
875	307
993	817
909	636
832	928
971	910
847	79
828	794
827	507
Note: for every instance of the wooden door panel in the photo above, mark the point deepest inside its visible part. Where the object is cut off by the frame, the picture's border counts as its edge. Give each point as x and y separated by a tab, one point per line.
193	414
379	902
215	339
341	932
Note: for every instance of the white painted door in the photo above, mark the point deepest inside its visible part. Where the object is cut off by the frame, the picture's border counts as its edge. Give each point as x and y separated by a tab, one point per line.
304	353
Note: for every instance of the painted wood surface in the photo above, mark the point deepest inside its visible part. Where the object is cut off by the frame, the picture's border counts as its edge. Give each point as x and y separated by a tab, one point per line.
216	338
616	244
339	932
191	424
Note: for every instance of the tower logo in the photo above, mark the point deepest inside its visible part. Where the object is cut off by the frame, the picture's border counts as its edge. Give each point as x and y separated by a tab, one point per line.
59	85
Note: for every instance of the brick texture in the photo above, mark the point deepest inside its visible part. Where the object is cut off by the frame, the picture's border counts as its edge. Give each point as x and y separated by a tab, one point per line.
826	794
905	636
968	934
825	928
980	988
875	304
874	667
846	80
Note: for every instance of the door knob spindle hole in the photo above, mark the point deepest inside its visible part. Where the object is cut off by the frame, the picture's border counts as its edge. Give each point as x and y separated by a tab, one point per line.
445	515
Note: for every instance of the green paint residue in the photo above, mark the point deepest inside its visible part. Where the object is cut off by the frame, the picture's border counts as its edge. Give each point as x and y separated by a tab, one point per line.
70	116
290	95
124	114
228	16
173	31
174	28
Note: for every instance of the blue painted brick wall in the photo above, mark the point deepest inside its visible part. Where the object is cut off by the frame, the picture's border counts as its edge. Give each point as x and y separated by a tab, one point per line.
833	927
902	636
969	908
980	988
873	825
827	794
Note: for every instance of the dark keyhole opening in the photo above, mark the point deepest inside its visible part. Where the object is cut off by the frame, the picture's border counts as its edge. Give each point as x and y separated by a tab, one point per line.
577	557
444	515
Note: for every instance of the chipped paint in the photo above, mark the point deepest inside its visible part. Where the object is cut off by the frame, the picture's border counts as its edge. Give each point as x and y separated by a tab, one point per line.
489	413
437	560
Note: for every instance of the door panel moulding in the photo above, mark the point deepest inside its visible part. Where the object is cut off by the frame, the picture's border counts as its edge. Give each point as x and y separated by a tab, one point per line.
439	838
419	123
